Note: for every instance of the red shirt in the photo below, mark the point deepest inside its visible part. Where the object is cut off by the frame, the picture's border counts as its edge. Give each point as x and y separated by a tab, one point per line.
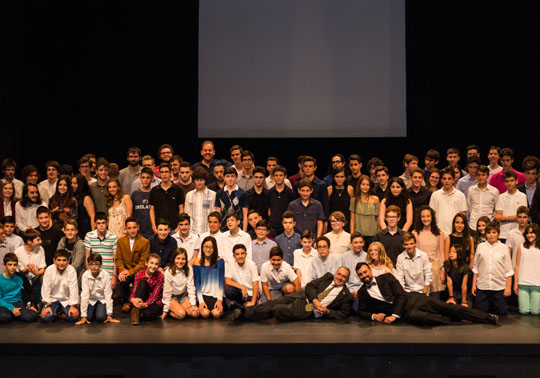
497	180
155	285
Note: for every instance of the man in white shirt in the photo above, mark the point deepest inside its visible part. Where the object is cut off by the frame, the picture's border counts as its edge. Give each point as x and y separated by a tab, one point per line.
447	201
304	256
325	262
481	198
241	278
507	205
49	184
200	201
31	258
413	268
60	290
25	209
234	236
186	239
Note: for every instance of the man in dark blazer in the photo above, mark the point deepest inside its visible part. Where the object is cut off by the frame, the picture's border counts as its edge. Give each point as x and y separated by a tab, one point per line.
383	299
325	297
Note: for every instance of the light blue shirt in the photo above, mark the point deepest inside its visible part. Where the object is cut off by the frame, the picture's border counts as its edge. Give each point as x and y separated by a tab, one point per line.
465	183
320	267
349	260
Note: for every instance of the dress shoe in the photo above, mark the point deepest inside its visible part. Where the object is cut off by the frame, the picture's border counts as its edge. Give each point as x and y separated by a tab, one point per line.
237	315
126	307
493	319
135	316
235	305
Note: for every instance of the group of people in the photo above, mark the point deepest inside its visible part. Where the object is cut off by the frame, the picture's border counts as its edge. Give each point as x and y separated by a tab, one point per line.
193	240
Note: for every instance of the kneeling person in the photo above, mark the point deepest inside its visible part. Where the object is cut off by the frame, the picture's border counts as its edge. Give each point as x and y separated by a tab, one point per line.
241	278
278	277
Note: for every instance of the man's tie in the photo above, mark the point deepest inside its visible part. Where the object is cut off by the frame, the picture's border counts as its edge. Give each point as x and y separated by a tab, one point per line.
320	297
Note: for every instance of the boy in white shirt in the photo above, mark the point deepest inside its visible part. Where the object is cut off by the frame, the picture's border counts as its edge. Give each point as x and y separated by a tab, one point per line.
186	239
241	278
234	236
515	237
13	241
447	201
492	274
278	277
507	205
31	258
350	259
60	290
200	201
413	268
96	293
303	258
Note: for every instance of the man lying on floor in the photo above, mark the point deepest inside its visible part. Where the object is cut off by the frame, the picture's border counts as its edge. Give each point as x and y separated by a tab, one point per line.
383	299
325	297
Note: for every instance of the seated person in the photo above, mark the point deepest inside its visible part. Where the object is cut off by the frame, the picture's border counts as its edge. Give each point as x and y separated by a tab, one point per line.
60	290
326	297
96	293
278	277
413	268
187	239
241	278
179	299
209	271
325	262
350	259
146	295
382	299
12	285
132	252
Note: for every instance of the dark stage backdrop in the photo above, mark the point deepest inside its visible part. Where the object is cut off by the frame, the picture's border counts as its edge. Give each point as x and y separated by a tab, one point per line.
100	76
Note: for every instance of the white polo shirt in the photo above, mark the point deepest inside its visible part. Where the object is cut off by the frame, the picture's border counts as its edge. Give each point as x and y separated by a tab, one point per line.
446	206
243	275
276	278
509	204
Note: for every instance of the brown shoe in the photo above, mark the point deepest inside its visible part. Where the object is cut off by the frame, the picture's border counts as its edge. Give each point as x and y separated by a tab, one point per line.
135	316
126	307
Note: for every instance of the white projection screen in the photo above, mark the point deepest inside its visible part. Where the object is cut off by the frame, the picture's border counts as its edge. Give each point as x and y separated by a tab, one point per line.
301	68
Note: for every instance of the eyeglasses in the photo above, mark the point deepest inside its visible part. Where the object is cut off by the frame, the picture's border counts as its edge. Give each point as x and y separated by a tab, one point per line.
322	247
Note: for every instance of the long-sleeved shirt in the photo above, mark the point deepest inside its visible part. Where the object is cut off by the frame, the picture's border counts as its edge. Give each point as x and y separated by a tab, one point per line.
26	216
95	289
349	260
36	257
164	248
177	284
229	241
60	287
481	202
155	286
198	205
260	252
78	252
320	267
492	265
210	281
10	291
414	273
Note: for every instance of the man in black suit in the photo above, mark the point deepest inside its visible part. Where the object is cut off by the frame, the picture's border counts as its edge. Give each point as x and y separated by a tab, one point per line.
326	297
383	299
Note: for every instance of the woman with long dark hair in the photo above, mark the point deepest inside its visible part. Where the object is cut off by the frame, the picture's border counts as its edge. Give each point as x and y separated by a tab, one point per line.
85	205
397	196
63	204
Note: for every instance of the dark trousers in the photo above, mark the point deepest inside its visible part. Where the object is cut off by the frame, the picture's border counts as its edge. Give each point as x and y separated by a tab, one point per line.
26	315
57	308
125	288
492	301
289	307
97	312
234	294
425	310
154	310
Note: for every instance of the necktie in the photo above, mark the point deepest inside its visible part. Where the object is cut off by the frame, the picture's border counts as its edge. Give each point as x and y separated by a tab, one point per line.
320	297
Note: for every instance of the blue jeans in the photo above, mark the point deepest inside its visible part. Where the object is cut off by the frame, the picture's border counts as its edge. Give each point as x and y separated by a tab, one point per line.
97	312
56	308
26	316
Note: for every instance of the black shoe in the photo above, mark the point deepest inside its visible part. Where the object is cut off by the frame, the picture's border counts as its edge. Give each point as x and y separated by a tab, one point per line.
235	305
237	315
493	319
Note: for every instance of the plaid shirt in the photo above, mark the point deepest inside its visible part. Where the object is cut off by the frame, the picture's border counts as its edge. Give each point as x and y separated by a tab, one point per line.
155	285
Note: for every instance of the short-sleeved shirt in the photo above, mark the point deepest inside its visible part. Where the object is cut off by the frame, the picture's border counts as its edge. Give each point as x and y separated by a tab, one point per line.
446	206
508	204
278	202
243	275
166	203
393	243
105	247
276	278
141	211
307	216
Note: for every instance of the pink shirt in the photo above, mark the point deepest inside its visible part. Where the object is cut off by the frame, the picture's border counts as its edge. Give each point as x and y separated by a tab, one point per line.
497	180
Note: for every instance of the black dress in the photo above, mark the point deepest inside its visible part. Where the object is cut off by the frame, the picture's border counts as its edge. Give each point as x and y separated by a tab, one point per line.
83	220
340	201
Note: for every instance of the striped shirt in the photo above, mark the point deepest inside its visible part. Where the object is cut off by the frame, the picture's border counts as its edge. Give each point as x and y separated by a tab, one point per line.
106	247
198	205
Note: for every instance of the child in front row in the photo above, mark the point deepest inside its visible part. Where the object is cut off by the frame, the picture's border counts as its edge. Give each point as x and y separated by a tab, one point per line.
12	285
278	277
179	299
96	293
147	293
242	277
456	273
492	274
60	290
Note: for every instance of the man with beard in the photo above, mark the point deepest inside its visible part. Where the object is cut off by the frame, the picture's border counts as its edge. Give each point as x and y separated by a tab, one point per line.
25	209
130	173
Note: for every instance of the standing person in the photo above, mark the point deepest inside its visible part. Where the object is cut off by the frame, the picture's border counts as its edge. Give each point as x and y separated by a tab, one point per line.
470	179
308	211
147	293
234	236
163	244
526	278
289	240
447	201
371	166
103	242
147	162
261	246
410	162
85	205
507	205
431	240
303	257
531	169
97	189
83	164
218	175
413	269
49	184
245	176
378	261
492	274
9	166
392	236
236	157
13	240
338	161
339	193
272	163
63	204
278	199
433	181
481	198
175	168
319	191
50	233
350	260
339	238
516	237
209	273
30	175
166	199
355	166
418	193
60	290
128	175
179	299
493	157
498	180
460	235
187	239
165	153
96	294
397	196
257	194
300	175
232	198
456	272
185	182
72	243
119	207
7	200
324	262
200	201
140	199
364	209
480	236
431	160
25	209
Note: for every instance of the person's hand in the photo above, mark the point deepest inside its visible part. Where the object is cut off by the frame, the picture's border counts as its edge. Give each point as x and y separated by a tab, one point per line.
516	290
110	319
113	282
202	306
473	290
218	306
355	294
123	275
245	293
83	321
46	311
137	302
72	310
451	300
390	319
163	315
379	317
16	312
507	292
